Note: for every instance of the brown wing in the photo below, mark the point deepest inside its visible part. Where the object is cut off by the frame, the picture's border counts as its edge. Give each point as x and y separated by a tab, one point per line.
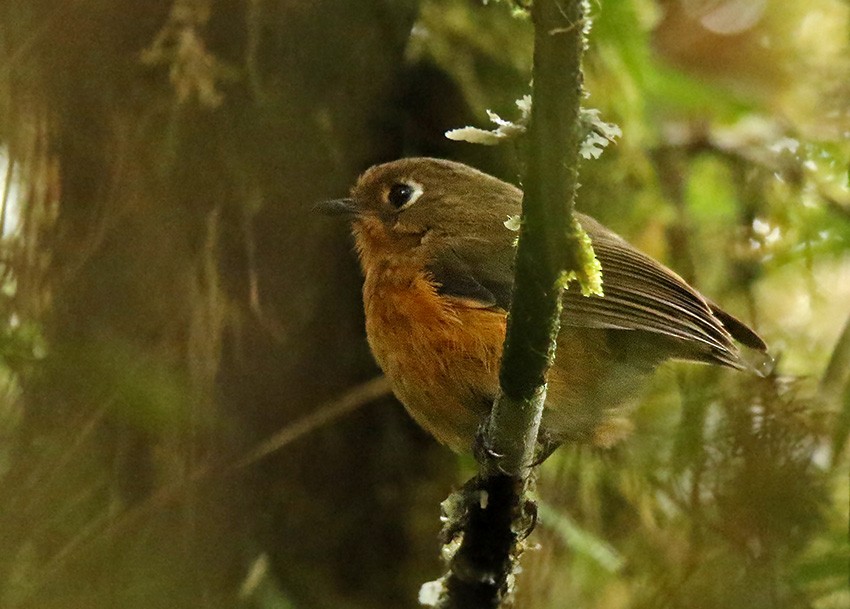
640	295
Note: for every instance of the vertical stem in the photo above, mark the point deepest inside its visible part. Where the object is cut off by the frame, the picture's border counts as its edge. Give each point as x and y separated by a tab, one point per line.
545	251
497	510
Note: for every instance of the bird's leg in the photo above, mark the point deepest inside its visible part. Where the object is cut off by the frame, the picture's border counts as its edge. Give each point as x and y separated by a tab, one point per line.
546	445
482	449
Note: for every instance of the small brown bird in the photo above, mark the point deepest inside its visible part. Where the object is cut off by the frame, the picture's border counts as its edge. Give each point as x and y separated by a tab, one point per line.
438	265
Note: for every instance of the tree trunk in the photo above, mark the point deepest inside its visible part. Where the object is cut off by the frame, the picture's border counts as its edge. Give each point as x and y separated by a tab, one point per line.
191	304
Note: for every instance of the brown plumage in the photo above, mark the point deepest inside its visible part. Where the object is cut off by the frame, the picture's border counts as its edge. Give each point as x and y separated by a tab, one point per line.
438	265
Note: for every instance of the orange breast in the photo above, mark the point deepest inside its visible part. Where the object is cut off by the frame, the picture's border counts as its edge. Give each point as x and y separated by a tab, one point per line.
441	356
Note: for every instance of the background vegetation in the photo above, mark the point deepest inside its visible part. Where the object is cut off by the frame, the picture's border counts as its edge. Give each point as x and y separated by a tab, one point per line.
168	302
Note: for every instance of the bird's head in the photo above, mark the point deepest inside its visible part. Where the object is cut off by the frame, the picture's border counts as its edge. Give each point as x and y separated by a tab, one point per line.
419	206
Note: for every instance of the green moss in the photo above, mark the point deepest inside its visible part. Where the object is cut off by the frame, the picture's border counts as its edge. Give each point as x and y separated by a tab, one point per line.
589	271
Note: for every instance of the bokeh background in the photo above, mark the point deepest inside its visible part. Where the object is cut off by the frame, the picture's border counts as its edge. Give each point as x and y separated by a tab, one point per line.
168	302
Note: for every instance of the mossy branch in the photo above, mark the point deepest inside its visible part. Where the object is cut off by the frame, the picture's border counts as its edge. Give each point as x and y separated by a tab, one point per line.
552	249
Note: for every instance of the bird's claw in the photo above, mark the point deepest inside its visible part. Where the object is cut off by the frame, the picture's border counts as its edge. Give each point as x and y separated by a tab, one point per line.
482	448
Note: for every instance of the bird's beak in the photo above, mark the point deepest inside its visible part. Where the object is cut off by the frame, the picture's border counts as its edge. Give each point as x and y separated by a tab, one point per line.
337	207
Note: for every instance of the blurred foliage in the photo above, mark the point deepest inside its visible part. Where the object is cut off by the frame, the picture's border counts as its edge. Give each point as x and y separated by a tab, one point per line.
166	303
733	167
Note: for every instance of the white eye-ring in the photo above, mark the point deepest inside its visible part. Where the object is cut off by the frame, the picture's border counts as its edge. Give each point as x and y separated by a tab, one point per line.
404	194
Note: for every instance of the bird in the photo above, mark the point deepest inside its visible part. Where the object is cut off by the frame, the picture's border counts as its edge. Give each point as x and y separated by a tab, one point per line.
437	257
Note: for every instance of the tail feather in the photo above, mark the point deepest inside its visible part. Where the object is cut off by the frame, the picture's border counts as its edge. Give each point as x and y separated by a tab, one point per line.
738	329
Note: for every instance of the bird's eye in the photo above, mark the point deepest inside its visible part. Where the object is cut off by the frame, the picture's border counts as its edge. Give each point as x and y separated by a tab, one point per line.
400	195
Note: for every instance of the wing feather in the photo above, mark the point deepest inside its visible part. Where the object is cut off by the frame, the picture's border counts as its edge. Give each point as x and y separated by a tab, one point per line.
640	294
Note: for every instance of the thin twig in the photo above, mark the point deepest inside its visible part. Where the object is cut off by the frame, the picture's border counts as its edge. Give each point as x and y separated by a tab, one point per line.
837	371
104	527
835	384
7	188
349	402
